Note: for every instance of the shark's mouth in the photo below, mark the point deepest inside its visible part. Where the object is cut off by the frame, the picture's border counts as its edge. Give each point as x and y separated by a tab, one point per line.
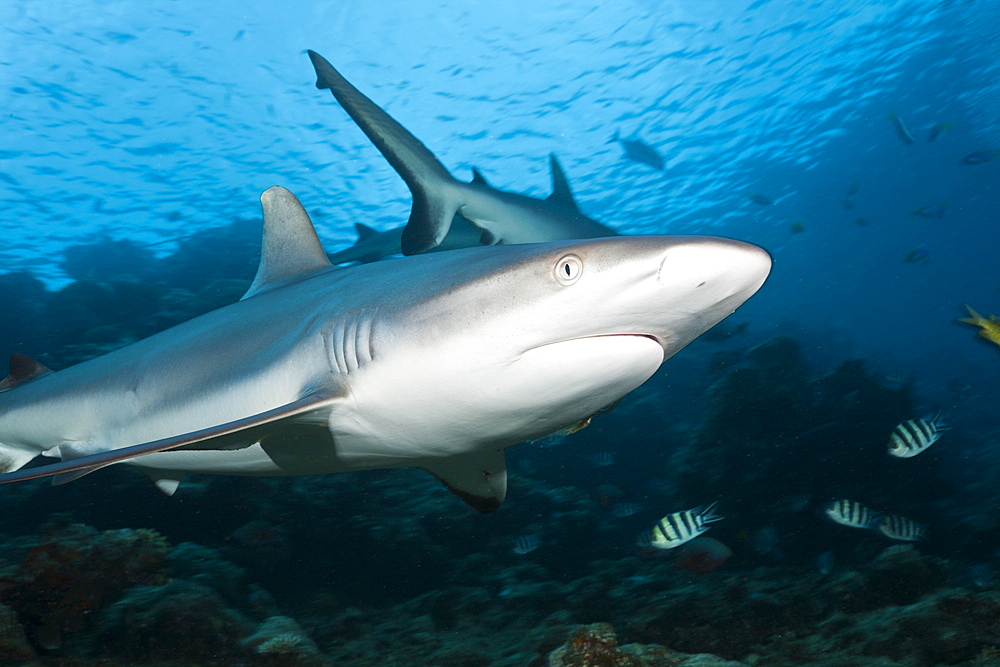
660	341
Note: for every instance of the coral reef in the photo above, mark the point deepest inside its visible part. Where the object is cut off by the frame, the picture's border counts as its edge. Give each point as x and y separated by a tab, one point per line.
386	568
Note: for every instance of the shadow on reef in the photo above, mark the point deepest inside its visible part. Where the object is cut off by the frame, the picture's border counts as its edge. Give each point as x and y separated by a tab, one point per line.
386	567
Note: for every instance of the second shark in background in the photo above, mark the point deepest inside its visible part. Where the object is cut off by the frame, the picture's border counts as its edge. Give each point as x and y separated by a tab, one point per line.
502	217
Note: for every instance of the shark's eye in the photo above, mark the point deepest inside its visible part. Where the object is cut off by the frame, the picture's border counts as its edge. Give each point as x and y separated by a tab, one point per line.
568	269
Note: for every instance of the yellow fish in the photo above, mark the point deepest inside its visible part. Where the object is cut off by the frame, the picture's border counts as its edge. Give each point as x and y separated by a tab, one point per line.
989	327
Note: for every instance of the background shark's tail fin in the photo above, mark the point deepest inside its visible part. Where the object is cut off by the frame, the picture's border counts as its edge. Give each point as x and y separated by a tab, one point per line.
424	175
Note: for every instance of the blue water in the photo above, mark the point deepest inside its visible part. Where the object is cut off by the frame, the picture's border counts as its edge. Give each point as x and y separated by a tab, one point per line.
150	121
147	121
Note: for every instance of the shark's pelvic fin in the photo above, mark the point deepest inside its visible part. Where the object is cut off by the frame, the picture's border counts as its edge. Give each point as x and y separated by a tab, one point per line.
428	180
561	192
290	250
364	231
166	481
22	369
254	427
478	478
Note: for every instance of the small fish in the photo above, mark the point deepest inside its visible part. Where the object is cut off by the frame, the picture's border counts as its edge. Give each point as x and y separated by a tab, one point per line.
675	529
763	200
764	541
639	151
798	226
896	380
962	390
850	513
980	574
525	544
901	130
917	256
980	156
722	332
932	212
900	528
602	459
623	510
825	562
936	129
609	495
848	201
861	222
989	327
915	435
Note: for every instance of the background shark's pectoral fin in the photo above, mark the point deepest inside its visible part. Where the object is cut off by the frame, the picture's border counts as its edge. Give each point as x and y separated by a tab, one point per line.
430	220
311	409
478	478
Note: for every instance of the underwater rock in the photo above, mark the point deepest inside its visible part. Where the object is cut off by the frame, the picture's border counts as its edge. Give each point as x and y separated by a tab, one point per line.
594	645
107	260
182	622
14	644
949	628
22	300
73	571
281	642
202	565
899	576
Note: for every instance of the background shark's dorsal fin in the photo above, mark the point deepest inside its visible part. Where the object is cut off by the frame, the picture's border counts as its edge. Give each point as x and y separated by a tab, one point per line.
364	231
22	369
561	191
477	177
290	250
478	478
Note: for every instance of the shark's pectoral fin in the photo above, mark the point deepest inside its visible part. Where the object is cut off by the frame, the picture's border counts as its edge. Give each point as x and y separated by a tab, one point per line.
430	220
478	478
311	409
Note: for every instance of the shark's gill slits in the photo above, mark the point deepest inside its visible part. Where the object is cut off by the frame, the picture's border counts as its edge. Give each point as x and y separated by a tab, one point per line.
349	342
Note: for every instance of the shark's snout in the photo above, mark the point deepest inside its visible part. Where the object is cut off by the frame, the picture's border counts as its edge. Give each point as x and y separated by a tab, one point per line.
715	264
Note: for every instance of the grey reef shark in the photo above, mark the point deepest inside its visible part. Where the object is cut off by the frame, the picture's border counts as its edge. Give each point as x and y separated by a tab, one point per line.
437	361
502	217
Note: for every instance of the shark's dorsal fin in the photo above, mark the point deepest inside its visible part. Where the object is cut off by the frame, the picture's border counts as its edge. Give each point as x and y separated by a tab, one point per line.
561	191
477	177
364	231
290	249
478	478
22	369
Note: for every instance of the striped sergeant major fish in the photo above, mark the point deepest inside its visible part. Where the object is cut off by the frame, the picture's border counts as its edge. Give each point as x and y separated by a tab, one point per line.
915	435
675	529
850	513
900	528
